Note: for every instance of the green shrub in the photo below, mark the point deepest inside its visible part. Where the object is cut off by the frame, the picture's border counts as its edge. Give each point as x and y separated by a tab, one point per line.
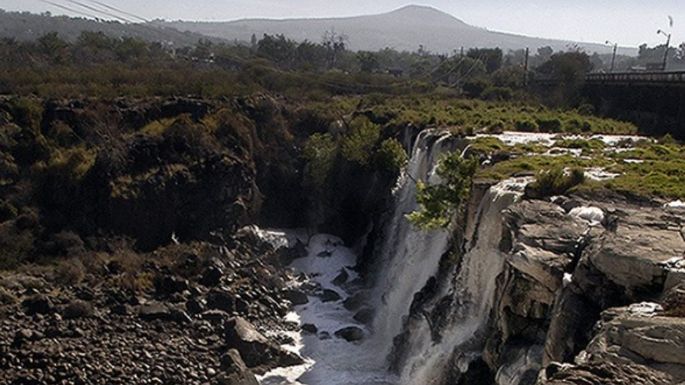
497	93
440	202
548	124
320	151
358	144
391	156
554	181
526	125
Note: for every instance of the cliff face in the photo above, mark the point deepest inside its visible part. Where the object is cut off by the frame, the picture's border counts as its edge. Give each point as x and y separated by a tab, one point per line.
589	282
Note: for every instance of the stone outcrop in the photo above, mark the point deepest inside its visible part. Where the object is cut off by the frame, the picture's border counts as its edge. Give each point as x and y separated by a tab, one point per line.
569	301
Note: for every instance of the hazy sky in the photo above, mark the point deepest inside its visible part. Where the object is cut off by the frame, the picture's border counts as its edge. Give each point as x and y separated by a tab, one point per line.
628	22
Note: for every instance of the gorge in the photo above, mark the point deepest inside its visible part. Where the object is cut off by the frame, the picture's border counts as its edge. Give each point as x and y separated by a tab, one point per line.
204	254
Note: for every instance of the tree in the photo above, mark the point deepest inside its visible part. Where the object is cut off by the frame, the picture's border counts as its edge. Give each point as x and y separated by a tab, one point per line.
491	57
368	62
335	44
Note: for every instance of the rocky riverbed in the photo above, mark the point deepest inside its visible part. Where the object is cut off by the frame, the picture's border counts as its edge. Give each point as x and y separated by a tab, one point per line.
204	320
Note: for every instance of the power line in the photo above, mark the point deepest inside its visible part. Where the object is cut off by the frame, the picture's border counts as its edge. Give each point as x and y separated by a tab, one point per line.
69	9
111	8
100	11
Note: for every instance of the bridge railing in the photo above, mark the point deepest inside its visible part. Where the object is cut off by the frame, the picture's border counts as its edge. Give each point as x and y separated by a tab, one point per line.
637	77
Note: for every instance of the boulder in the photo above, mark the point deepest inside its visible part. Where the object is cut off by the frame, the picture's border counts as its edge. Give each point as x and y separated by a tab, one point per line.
154	311
310	328
350	334
236	372
255	349
169	284
38	304
78	309
341	278
212	276
330	296
221	300
296	297
364	316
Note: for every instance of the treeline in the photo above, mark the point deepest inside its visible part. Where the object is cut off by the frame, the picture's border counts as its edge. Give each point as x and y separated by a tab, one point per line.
96	64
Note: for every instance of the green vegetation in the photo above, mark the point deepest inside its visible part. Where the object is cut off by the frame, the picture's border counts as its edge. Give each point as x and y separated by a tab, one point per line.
470	115
361	145
555	181
440	202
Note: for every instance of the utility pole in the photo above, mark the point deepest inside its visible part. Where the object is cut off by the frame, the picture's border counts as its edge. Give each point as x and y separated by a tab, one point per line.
613	56
525	68
668	42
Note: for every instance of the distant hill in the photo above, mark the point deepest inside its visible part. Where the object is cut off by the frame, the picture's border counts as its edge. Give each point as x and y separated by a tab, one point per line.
402	29
25	26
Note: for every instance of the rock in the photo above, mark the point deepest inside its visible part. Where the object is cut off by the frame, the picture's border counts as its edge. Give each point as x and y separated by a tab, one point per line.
310	328
78	309
231	362
212	276
364	316
330	296
247	378
179	316
606	373
341	278
354	302
324	336
296	297
38	304
221	300
154	311
255	349
169	284
215	316
350	334
636	334
195	306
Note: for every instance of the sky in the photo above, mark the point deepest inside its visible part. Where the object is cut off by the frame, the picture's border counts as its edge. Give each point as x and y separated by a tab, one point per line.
626	22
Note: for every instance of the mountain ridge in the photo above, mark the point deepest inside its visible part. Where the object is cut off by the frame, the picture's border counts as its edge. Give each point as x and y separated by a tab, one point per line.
403	29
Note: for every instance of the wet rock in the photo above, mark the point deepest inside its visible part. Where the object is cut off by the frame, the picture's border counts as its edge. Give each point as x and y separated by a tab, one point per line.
354	302
364	316
310	328
221	300
236	372
296	297
78	309
324	336
330	296
38	304
341	278
350	334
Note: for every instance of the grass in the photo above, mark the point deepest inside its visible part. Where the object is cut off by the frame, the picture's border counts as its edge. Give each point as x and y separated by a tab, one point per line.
467	116
659	174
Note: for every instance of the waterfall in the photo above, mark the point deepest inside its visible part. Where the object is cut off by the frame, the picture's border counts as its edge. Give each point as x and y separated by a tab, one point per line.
471	292
408	257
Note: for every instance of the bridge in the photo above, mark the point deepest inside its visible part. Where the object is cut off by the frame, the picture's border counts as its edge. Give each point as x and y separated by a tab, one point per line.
655	101
641	79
